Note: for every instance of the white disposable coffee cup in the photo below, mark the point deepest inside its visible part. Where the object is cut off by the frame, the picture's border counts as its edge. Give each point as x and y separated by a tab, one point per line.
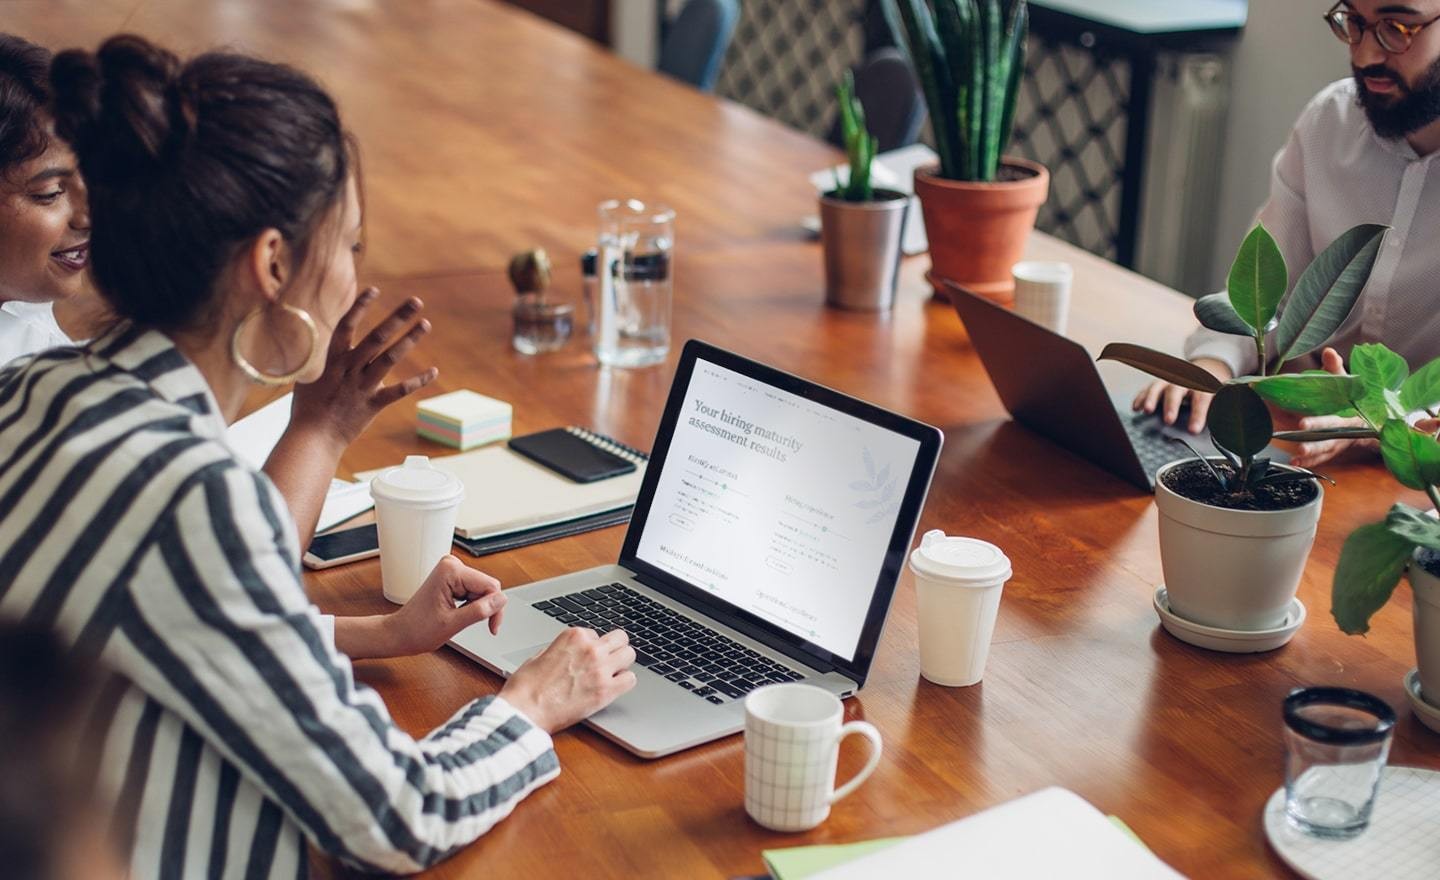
792	746
958	583
415	508
1042	293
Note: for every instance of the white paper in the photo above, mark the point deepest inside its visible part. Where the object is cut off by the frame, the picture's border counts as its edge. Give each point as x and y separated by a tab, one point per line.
254	437
1051	833
892	170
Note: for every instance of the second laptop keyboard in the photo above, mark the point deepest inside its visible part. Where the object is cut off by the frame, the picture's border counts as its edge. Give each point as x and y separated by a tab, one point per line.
694	656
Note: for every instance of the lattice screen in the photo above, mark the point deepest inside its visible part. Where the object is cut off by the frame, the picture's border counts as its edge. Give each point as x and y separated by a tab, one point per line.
787	56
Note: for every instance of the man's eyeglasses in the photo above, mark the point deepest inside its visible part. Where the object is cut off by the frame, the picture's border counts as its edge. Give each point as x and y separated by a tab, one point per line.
1394	36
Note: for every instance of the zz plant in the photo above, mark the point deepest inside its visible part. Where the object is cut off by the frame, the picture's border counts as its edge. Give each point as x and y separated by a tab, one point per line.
969	56
860	145
1324	295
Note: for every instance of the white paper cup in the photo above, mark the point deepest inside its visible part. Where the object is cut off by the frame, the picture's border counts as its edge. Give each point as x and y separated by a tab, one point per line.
958	582
415	508
792	745
1042	293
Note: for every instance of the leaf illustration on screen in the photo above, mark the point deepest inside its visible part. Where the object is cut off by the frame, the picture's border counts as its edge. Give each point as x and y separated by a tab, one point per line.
880	490
869	463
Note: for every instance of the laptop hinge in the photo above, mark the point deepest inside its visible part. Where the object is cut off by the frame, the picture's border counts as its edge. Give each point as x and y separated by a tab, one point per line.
769	640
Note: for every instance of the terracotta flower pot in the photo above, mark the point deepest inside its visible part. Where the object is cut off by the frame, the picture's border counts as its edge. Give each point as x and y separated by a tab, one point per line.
978	231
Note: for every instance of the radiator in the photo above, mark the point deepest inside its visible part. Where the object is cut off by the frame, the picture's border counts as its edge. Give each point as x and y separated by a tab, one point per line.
1181	198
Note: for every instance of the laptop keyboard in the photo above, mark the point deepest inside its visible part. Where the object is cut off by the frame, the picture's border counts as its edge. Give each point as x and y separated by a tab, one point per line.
1150	444
690	654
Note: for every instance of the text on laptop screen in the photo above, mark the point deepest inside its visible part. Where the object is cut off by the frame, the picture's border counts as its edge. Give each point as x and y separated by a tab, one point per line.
778	505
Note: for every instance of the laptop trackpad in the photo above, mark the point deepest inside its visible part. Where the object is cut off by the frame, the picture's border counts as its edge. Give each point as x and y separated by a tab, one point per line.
515	658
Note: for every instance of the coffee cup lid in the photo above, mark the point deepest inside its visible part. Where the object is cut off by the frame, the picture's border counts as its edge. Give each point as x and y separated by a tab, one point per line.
418	483
967	562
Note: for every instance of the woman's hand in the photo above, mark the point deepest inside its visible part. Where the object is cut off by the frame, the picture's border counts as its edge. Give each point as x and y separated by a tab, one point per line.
431	617
1167	397
351	391
1314	453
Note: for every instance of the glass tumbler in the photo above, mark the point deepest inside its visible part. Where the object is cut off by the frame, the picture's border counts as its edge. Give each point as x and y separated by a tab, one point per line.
635	285
1336	741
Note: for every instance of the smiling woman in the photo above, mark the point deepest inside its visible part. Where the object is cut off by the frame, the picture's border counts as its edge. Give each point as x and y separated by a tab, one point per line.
44	222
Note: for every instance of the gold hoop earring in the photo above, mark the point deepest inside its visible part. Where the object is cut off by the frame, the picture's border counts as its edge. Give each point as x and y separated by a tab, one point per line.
263	378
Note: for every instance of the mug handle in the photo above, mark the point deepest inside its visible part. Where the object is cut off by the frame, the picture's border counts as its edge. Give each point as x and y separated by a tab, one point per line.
867	730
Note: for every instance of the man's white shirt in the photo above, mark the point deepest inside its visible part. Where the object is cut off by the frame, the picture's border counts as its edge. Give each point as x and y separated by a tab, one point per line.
1333	173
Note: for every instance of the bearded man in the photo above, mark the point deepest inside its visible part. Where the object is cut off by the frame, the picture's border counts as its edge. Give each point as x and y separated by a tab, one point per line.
1361	152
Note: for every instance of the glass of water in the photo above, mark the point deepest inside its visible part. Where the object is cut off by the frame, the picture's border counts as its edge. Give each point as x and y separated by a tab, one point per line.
635	284
1336	742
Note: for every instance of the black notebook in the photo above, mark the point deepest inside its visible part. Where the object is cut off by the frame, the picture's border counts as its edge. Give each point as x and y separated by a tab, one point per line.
574	453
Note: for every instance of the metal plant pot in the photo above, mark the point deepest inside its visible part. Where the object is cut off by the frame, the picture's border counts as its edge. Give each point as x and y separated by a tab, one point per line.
862	249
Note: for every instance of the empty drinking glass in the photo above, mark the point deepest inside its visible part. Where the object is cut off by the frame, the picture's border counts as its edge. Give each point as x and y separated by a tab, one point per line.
635	290
1336	741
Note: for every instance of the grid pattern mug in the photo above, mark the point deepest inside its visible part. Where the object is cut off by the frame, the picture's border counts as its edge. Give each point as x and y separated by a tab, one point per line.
792	744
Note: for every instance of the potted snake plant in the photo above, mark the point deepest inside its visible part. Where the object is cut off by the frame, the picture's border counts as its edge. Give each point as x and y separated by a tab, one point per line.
1235	531
979	205
1376	555
860	226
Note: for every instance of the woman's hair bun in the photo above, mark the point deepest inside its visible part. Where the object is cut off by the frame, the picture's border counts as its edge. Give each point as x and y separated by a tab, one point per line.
120	107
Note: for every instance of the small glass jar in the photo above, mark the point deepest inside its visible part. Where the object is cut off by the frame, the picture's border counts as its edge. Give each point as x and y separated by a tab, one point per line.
589	287
541	325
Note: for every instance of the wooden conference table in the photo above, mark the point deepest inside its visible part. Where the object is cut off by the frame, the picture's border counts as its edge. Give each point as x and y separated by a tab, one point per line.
487	131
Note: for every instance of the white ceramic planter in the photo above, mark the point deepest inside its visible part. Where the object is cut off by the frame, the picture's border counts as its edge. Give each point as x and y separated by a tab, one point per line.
1232	569
1426	588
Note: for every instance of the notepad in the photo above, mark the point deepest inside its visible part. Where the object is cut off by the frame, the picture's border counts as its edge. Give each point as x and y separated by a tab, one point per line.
1051	833
506	492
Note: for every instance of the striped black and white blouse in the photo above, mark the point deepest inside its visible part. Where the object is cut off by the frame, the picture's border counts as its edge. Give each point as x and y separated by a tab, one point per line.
129	527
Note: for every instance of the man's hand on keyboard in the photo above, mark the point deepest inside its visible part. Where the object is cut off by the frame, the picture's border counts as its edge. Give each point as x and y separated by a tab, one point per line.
579	674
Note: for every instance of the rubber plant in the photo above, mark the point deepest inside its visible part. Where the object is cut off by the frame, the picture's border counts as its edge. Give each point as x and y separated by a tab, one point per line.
1323	297
860	145
969	56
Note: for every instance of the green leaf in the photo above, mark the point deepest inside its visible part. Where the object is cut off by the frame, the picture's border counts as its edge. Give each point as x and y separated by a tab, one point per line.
1240	421
1327	291
1327	434
1214	311
1413	457
1381	370
1414	526
1162	366
1311	394
1371	563
1257	280
1422	389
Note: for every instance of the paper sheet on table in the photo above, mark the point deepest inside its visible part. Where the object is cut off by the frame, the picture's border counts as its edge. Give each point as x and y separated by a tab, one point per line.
800	862
1051	833
892	170
254	437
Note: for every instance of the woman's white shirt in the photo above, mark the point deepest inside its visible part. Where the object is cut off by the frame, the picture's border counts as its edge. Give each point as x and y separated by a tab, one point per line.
26	328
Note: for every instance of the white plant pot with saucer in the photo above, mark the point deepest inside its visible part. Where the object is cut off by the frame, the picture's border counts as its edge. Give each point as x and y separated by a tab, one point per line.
1426	589
1234	570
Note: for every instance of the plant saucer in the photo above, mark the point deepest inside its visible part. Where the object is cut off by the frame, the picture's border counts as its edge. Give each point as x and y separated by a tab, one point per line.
1428	713
1229	641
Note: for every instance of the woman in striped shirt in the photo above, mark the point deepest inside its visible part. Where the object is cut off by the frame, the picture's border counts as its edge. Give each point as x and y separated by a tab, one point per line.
225	224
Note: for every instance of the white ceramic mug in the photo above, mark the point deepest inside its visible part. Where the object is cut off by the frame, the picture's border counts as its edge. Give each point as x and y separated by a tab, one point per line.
792	744
1042	293
957	583
415	509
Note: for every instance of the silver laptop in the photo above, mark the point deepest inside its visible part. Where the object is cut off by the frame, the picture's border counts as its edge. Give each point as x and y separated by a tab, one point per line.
1050	384
771	527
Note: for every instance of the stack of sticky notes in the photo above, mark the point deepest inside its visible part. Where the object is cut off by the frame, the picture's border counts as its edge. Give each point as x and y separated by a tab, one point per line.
464	419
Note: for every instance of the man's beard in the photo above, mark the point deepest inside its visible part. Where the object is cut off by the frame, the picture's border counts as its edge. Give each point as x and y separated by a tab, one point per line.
1406	113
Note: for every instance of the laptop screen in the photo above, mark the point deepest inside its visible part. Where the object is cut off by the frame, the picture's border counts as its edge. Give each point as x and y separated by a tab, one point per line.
778	505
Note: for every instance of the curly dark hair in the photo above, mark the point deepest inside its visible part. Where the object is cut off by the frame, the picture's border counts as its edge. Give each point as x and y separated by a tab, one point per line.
24	94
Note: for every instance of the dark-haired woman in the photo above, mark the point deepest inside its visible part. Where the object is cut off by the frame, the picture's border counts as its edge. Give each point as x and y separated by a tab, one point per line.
226	221
44	224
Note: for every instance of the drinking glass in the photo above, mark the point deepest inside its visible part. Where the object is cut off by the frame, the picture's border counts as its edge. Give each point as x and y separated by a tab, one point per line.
1336	741
635	290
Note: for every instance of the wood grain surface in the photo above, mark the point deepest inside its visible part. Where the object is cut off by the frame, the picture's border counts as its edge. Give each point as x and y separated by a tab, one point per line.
486	131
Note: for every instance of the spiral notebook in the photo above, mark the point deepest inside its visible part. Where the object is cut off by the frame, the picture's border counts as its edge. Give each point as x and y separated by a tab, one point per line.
507	493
